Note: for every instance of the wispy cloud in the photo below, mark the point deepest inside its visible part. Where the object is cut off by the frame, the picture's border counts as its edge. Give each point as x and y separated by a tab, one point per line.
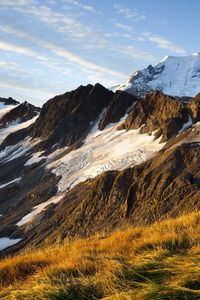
163	43
8	65
56	50
128	13
136	54
124	27
88	8
64	23
89	37
5	46
20	91
83	62
12	3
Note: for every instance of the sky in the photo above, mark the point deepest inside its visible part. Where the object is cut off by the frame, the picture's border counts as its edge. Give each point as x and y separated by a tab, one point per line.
48	47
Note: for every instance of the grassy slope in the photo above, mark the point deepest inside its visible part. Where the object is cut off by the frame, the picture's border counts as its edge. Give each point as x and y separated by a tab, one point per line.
157	262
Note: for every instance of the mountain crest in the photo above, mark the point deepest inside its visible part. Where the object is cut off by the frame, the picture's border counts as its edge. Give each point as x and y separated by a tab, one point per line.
175	76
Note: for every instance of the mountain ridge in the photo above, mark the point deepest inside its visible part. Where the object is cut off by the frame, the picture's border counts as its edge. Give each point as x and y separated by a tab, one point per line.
94	160
65	191
174	75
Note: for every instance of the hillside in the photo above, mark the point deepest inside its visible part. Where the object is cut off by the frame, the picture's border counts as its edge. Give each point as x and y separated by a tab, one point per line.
158	262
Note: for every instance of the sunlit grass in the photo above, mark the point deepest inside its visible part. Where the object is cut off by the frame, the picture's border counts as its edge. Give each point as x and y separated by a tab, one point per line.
161	261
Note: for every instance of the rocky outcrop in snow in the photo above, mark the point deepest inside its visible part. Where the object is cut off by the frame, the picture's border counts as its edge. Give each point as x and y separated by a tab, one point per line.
19	114
157	112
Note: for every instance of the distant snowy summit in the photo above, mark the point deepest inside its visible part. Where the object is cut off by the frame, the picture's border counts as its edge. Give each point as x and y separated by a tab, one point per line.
174	75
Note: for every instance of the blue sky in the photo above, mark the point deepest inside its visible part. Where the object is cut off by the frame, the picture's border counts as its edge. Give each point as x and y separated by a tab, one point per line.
48	47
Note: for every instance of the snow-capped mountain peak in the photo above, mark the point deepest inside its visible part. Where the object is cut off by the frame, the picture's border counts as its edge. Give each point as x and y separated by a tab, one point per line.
176	76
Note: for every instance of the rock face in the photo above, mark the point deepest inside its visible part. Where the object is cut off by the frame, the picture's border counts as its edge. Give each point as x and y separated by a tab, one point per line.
194	106
19	114
8	101
15	137
117	108
157	112
67	119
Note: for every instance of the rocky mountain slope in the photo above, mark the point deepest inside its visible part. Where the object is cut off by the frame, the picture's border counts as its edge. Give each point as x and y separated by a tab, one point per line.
176	76
94	160
19	114
8	101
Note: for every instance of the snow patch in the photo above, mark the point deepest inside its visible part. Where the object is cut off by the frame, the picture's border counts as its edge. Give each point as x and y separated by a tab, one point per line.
15	127
38	209
4	109
6	242
186	125
110	149
196	54
36	157
10	182
164	58
15	151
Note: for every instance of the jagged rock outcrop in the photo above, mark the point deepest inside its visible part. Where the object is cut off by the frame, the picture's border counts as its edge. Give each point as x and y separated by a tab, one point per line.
15	137
157	112
67	119
8	101
19	114
36	185
194	107
117	108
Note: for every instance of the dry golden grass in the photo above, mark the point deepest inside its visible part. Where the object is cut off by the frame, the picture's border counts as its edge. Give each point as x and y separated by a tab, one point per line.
161	261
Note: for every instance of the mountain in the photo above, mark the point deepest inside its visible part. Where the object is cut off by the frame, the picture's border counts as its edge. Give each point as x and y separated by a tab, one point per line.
99	192
94	160
8	101
175	76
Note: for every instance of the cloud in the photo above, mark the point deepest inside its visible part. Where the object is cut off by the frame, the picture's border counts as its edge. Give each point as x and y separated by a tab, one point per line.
65	24
124	27
5	46
8	65
22	92
87	8
162	42
56	50
12	3
9	84
136	54
128	13
88	65
106	81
